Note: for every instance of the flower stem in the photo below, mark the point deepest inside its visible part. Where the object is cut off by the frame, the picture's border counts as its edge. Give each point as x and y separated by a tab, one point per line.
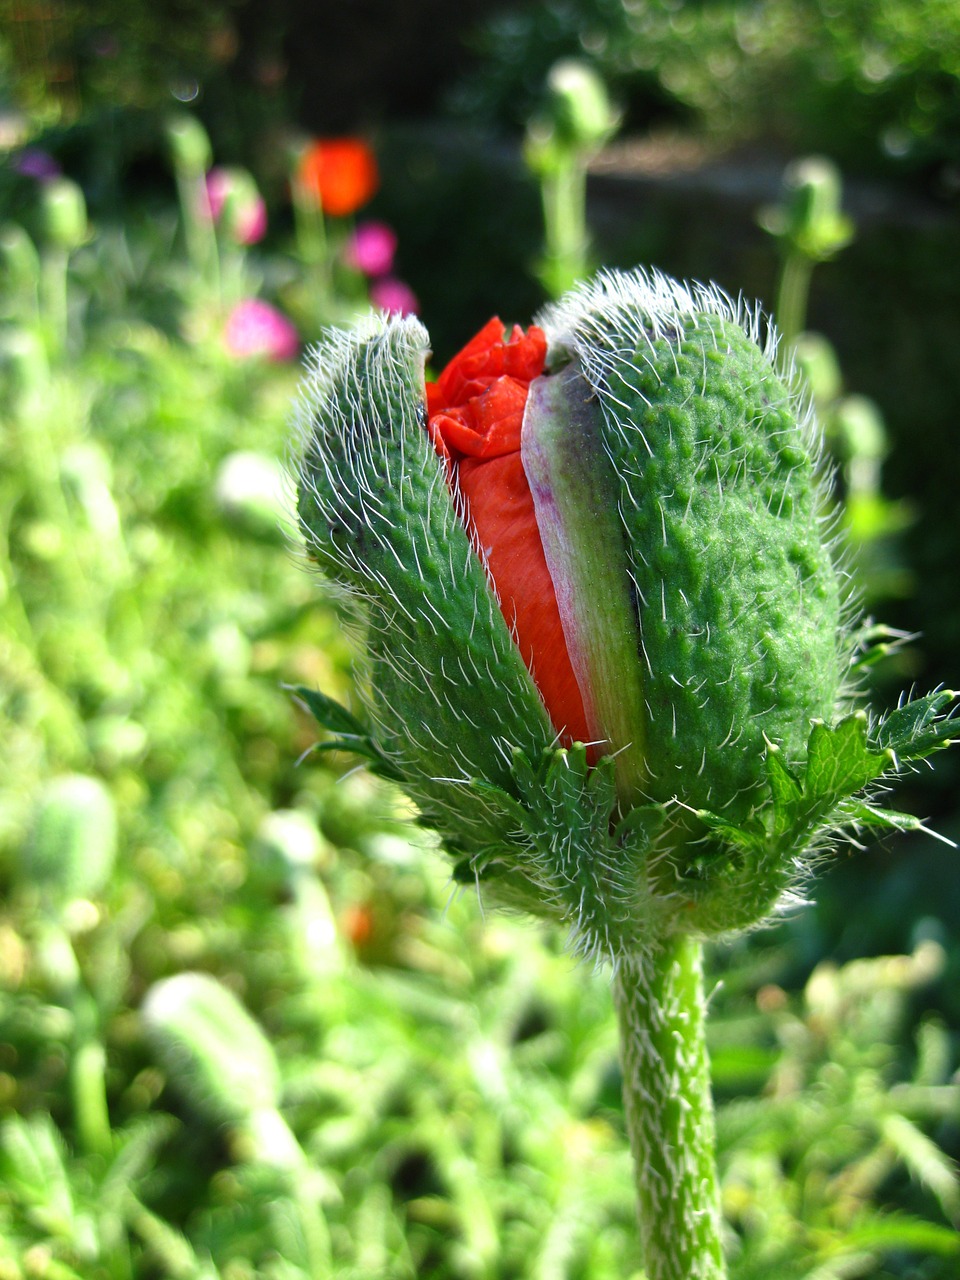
669	1110
793	295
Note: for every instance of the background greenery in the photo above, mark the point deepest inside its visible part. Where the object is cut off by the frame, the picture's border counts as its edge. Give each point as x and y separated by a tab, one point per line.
423	1091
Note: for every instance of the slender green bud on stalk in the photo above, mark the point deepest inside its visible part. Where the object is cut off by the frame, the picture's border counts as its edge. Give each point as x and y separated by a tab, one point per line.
577	115
810	220
21	263
63	213
189	145
73	842
220	1059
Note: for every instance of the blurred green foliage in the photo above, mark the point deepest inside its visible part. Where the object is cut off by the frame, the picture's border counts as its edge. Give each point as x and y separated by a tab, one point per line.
423	1091
783	70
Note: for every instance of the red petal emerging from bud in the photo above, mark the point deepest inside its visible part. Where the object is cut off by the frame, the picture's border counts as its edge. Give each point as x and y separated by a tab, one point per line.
475	411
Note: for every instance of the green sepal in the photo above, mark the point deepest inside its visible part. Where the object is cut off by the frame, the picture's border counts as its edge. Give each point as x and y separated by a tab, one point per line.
720	498
570	856
446	687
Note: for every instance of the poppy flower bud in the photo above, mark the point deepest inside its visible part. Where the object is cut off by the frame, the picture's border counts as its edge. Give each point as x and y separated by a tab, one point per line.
810	220
602	623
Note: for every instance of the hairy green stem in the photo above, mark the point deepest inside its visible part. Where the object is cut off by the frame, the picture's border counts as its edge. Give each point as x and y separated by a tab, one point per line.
669	1110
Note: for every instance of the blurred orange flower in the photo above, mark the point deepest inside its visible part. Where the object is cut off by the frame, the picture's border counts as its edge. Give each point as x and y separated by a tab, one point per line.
339	173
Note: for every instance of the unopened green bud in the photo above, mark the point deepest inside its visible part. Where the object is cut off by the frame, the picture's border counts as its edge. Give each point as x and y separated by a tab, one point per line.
810	219
578	103
72	845
211	1047
860	437
576	120
221	1061
63	213
860	430
189	144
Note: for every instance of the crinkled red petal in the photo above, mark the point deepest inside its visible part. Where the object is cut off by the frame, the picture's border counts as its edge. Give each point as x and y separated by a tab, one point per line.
475	412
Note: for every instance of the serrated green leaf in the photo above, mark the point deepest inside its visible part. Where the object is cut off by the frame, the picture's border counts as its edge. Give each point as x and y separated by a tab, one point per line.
919	727
510	809
839	762
746	837
786	791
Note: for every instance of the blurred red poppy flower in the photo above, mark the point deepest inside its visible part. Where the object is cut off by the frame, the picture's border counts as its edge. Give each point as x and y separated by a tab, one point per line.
475	414
340	174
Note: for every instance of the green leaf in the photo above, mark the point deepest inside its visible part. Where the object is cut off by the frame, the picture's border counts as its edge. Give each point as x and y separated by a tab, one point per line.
786	791
354	737
876	641
899	1231
926	1162
329	714
920	727
839	762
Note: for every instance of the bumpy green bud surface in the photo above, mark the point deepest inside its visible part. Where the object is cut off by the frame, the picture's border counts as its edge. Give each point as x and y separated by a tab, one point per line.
736	595
673	469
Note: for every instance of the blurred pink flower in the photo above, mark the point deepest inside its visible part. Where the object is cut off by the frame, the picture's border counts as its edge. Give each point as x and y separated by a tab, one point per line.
370	248
247	215
391	294
254	328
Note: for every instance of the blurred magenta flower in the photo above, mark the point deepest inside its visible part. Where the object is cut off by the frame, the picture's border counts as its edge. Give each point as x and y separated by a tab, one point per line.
255	328
235	202
391	294
370	248
32	162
